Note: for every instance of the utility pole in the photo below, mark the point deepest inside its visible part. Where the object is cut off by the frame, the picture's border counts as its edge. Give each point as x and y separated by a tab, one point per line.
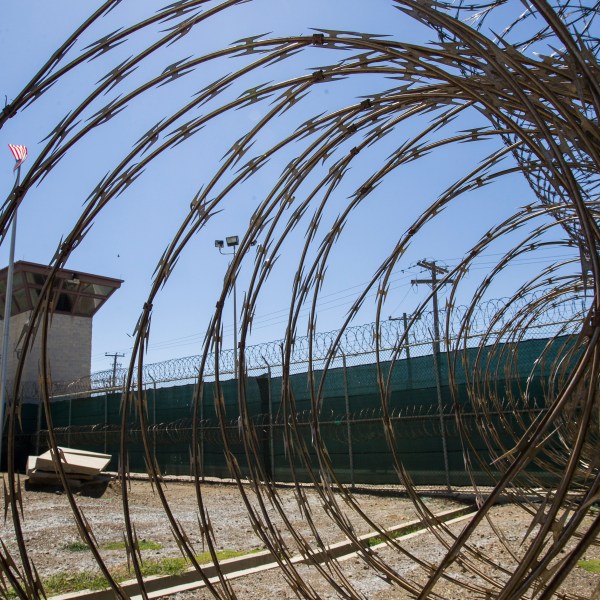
433	282
404	319
435	271
114	355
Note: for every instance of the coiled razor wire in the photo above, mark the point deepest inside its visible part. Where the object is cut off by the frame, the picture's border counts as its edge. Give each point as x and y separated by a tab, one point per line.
355	341
179	431
520	81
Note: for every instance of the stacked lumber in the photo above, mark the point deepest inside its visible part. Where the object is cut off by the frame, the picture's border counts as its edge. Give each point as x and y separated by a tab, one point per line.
80	467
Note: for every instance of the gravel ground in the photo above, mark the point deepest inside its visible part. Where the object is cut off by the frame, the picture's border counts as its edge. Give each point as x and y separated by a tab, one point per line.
48	525
510	520
48	529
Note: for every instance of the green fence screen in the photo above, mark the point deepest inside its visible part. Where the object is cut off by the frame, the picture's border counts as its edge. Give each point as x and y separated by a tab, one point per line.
428	444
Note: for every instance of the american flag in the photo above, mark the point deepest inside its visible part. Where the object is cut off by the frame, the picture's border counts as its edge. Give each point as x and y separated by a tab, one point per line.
20	154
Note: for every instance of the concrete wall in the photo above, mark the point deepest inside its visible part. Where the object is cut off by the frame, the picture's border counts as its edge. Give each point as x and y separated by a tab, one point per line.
69	348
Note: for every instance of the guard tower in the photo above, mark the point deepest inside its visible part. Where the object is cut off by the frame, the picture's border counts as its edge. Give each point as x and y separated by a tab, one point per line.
76	298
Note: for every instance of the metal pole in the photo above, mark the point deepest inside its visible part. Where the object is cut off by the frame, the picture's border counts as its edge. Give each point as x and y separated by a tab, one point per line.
405	319
436	321
114	355
434	269
7	313
202	431
438	385
408	359
271	427
438	374
154	414
38	428
232	242
105	422
69	429
348	426
235	333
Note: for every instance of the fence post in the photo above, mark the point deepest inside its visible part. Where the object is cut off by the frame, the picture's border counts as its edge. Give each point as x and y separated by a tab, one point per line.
70	417
202	432
105	422
153	413
271	426
438	385
348	425
270	468
408	358
38	427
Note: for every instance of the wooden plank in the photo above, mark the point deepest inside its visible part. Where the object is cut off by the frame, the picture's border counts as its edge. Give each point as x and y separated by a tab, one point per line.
77	462
46	478
84	452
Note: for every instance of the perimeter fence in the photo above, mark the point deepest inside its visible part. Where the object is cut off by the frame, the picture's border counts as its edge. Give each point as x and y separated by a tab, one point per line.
444	418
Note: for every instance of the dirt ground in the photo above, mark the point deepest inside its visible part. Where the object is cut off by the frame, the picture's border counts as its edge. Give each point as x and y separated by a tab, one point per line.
49	532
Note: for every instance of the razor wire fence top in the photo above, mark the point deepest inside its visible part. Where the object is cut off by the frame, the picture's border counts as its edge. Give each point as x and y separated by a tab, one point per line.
467	127
357	341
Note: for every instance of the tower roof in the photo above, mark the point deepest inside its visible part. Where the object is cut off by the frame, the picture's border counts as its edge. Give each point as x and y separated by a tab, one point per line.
75	293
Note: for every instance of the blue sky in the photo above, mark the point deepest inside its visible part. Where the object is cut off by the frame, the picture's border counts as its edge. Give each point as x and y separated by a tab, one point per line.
130	235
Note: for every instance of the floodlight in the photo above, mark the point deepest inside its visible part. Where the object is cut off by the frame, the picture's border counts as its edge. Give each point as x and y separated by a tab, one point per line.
219	243
232	240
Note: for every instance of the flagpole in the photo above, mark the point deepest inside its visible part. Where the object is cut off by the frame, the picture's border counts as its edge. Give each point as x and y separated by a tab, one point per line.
7	312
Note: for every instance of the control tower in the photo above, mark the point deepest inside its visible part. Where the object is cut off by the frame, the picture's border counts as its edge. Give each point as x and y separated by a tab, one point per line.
76	297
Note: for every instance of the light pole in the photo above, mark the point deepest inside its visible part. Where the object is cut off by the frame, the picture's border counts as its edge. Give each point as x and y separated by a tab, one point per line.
232	242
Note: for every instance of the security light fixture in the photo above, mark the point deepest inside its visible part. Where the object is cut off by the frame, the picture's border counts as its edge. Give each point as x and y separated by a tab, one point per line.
219	243
232	240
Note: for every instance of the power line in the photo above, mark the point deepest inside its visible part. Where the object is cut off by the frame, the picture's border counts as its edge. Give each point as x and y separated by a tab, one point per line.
331	301
275	317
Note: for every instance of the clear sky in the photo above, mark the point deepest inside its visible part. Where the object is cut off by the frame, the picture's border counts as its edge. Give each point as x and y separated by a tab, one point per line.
129	236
